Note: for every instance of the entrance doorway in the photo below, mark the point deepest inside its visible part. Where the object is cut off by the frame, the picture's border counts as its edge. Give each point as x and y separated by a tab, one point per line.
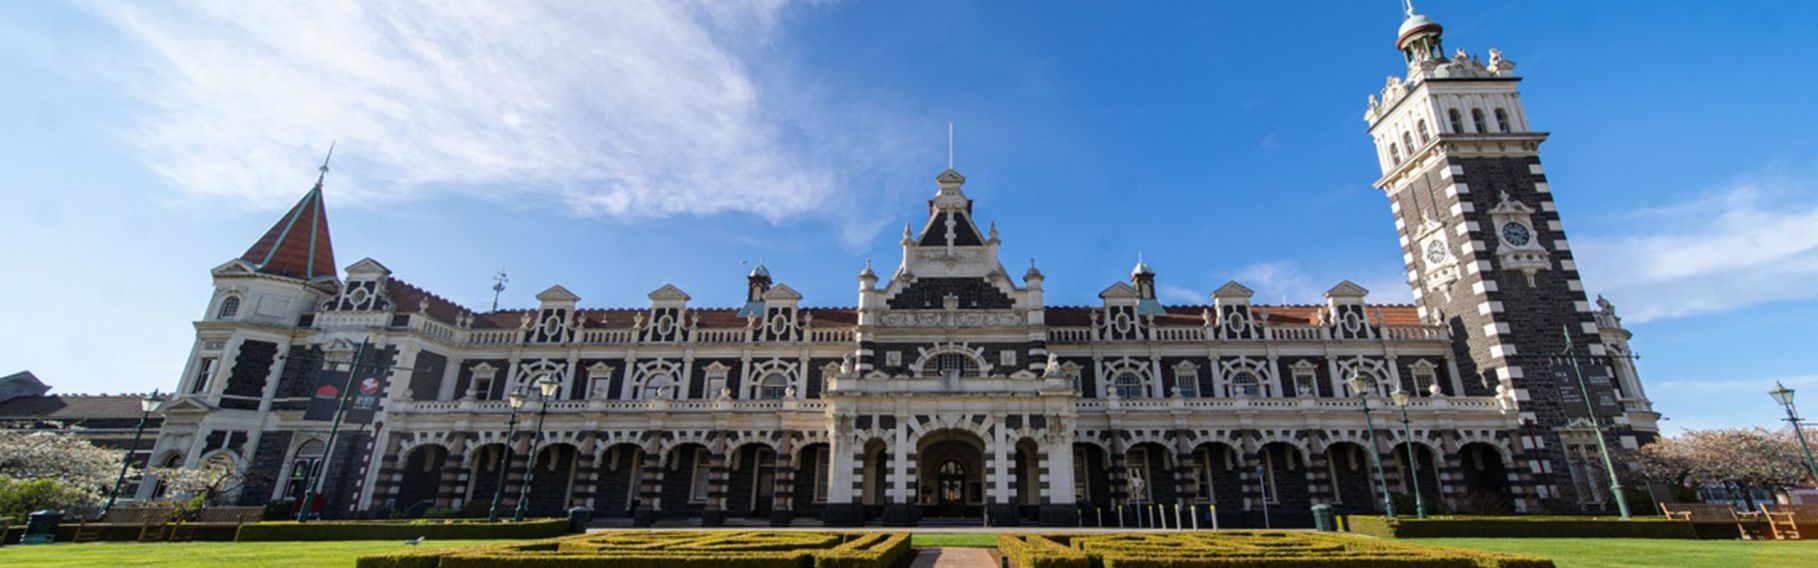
951	478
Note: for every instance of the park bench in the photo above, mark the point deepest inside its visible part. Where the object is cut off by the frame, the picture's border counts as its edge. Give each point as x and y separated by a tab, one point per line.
1784	521
150	521
5	523
1709	515
215	518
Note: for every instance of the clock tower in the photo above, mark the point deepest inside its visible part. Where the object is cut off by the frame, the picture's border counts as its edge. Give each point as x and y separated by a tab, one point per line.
1487	256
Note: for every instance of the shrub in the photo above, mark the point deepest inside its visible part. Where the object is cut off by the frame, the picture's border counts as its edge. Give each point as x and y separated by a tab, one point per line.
671	549
1259	550
1535	526
383	530
1040	552
19	498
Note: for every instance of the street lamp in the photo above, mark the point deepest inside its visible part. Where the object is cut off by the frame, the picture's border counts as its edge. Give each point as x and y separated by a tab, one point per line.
1784	396
1361	386
148	405
546	387
516	401
1407	429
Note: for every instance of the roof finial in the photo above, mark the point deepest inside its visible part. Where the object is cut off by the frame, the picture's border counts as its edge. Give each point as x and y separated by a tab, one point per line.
498	284
949	144
1409	5
324	168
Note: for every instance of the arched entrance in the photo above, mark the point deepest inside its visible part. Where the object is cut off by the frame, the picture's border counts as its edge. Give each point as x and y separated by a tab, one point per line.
951	474
422	479
1486	481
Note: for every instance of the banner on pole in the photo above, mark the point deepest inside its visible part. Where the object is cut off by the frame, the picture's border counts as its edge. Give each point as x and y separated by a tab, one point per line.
362	402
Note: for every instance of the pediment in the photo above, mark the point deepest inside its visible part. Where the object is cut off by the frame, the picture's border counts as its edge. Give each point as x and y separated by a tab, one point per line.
184	405
1120	291
669	293
1233	290
235	266
557	294
782	292
1347	289
367	267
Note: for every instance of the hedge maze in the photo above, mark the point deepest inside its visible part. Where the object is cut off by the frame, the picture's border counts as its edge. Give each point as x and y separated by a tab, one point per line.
1241	549
669	549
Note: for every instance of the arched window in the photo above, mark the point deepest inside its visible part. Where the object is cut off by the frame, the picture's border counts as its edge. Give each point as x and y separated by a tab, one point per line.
1457	123
230	307
1477	121
1425	135
773	387
302	467
659	386
941	364
1245	383
1128	385
1407	143
1394	153
1502	120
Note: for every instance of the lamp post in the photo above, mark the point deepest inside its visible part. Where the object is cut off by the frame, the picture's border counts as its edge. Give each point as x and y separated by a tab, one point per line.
1401	399
516	401
546	388
313	479
148	405
1360	386
1784	396
1590	411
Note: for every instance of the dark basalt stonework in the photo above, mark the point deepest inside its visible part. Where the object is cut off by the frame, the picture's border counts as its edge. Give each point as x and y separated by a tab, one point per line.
931	294
248	376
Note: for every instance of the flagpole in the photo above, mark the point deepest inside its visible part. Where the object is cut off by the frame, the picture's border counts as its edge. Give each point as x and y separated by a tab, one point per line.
315	480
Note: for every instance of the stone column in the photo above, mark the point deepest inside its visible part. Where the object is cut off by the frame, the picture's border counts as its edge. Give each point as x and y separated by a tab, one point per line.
586	480
714	514
782	502
900	508
650	485
451	493
1119	482
1054	479
1000	510
841	510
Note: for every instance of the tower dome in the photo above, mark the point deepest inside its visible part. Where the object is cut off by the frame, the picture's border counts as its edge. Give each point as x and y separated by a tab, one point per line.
1418	38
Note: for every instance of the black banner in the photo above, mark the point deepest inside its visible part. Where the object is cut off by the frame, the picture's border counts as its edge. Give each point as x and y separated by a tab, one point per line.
361	403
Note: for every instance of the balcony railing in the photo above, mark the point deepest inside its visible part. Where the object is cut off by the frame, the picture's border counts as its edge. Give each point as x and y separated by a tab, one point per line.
1274	332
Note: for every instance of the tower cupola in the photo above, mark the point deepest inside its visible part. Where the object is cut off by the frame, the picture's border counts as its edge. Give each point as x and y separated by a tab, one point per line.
756	284
1418	38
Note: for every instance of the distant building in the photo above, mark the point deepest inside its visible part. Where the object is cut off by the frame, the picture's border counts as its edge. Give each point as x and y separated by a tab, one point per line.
951	389
107	420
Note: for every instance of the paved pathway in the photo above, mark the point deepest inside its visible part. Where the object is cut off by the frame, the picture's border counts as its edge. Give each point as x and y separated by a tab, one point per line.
953	558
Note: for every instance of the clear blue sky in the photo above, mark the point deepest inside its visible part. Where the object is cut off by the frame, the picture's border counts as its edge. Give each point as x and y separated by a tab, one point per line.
615	147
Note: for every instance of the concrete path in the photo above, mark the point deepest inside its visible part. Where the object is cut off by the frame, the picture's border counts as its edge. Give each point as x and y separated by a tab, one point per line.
954	558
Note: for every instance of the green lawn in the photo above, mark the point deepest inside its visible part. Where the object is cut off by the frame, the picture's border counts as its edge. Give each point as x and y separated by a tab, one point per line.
288	554
1640	553
971	540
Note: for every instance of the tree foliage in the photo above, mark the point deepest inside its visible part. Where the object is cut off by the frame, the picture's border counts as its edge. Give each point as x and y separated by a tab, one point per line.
1753	457
66	459
207	481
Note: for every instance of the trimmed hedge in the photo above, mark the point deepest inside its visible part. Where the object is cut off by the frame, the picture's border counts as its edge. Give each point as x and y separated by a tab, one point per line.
1040	552
1251	550
1537	526
381	530
670	549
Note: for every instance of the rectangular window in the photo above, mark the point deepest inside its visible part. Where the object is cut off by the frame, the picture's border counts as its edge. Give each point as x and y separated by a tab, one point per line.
1006	358
698	478
819	473
1303	382
205	370
482	388
1423	381
1081	491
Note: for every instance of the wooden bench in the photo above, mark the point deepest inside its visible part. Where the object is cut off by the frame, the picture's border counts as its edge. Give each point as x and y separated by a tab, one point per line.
150	521
1784	521
215	518
5	523
1710	515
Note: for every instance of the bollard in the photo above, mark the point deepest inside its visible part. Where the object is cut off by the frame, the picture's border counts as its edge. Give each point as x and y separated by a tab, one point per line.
1194	512
1212	513
1099	513
1177	523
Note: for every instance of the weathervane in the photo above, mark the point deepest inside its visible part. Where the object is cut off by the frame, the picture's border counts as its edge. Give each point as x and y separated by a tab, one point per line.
324	168
498	286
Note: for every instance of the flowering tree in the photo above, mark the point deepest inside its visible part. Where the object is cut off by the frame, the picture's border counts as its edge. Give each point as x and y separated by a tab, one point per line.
1746	457
44	470
212	478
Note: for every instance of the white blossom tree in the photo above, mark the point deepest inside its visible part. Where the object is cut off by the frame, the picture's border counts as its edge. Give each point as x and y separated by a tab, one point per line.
64	458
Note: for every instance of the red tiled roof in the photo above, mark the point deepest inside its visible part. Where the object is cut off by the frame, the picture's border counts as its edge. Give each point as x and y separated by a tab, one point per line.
58	407
298	245
405	297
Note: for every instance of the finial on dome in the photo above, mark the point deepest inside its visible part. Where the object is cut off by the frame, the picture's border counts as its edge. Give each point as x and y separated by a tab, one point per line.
1141	266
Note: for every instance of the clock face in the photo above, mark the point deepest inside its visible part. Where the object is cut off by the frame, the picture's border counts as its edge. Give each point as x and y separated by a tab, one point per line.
1516	234
1436	251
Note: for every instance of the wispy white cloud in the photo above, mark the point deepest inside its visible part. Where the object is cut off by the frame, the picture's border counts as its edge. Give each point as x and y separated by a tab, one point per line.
1182	295
1287	281
622	109
1750	243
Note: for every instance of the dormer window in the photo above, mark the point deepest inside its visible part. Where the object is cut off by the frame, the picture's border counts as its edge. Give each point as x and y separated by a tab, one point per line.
1477	121
1457	123
230	307
1502	121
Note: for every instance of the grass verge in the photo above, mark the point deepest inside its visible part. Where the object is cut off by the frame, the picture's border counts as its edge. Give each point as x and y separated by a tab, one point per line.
1647	553
962	540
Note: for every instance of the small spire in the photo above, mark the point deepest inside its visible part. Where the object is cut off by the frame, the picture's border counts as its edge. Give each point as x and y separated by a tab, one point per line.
949	144
324	169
